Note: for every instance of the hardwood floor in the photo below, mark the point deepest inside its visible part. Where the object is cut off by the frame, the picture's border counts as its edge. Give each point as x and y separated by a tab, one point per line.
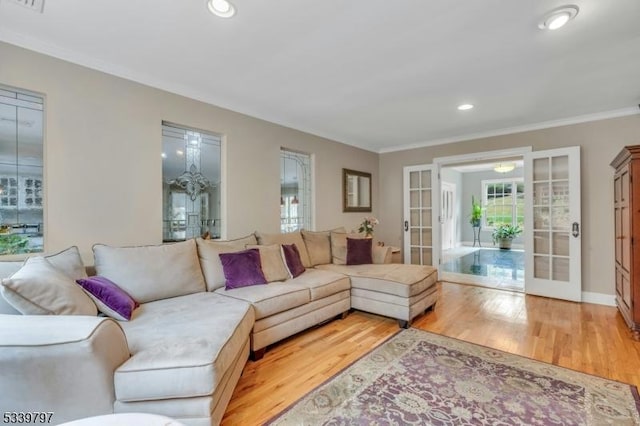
585	337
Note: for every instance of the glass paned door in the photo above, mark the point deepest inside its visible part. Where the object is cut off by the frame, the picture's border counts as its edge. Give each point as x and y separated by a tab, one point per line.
552	238
418	215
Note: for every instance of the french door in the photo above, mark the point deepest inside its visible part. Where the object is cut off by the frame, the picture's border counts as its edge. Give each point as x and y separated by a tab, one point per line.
418	215
552	223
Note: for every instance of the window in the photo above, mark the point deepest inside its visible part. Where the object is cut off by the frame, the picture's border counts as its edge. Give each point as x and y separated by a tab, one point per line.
191	182
21	177
295	191
503	201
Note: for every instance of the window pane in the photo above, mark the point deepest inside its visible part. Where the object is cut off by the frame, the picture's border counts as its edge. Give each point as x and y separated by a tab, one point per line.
191	180
504	202
295	190
21	177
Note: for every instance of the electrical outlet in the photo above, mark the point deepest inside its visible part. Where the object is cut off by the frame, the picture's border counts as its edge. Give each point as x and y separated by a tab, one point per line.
35	5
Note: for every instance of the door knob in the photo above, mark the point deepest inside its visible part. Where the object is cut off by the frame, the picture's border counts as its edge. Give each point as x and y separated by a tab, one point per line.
575	229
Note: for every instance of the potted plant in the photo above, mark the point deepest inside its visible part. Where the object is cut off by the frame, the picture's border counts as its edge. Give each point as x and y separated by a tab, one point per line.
504	234
476	213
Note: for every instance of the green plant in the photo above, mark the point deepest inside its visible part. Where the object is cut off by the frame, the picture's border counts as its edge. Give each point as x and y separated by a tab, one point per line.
13	244
505	232
476	212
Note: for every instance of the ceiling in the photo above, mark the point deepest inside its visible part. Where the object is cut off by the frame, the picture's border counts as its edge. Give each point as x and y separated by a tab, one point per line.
381	75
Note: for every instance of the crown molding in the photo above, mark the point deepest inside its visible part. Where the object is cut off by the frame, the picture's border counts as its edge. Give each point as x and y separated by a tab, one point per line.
517	129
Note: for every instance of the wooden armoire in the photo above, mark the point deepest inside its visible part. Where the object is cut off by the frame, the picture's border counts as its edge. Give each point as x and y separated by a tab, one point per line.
626	190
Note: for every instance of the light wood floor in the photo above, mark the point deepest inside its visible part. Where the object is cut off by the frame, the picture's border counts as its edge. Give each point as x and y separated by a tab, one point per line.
589	338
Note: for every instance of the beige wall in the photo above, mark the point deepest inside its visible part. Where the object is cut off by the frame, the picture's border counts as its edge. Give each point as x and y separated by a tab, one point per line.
103	164
600	141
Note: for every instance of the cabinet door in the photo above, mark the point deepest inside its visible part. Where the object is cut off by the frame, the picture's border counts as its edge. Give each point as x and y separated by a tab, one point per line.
622	235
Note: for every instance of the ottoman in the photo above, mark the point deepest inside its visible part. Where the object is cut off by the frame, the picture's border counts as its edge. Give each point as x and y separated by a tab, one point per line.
395	290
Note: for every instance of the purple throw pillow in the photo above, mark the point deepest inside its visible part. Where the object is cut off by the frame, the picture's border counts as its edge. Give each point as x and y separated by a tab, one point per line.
359	251
292	257
242	268
110	299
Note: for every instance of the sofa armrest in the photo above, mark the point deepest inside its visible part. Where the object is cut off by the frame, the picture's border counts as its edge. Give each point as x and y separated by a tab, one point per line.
60	364
381	254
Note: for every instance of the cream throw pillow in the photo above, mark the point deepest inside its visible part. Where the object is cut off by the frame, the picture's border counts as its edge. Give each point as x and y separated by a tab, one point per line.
339	246
287	238
39	288
208	252
69	261
273	266
319	245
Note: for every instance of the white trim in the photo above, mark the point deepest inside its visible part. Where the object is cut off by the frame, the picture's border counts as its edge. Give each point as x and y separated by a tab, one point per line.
598	298
484	155
604	115
224	177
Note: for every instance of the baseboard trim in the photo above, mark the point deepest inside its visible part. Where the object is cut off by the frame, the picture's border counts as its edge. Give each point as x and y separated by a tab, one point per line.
599	298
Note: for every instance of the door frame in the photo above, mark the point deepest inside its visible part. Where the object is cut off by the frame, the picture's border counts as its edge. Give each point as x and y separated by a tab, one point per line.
439	162
451	187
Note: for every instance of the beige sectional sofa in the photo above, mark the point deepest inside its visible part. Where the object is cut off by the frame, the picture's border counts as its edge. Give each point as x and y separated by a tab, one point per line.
184	349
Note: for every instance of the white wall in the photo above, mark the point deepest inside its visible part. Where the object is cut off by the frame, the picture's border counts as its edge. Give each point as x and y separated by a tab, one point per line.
600	142
449	175
103	166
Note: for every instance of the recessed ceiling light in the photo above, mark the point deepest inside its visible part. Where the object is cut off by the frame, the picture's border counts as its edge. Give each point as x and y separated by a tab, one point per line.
221	8
557	18
465	107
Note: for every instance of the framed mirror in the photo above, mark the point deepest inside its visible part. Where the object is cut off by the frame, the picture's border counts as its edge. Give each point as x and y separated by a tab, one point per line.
356	191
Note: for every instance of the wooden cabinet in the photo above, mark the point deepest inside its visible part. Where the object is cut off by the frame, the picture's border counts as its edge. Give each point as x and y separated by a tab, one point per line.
626	199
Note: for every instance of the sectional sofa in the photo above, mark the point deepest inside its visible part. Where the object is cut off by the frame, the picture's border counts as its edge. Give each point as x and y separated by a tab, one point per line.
183	351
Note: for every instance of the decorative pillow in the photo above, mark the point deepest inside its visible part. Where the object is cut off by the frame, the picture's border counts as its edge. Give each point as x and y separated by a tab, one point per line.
292	257
273	266
242	269
149	273
359	251
69	261
287	238
339	246
110	299
208	251
39	288
318	245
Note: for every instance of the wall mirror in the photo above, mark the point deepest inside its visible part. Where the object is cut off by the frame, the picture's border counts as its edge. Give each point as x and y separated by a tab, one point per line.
356	191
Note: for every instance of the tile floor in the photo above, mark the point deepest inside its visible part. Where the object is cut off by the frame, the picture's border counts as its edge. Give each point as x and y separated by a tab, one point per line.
502	269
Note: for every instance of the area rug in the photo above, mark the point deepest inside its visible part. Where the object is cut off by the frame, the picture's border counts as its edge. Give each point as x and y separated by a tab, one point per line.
421	378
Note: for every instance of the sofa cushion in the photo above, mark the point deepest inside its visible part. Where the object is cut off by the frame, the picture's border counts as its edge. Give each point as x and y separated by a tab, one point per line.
292	259
396	279
208	252
182	347
39	288
339	246
242	268
273	266
359	251
149	273
287	238
321	283
110	299
270	299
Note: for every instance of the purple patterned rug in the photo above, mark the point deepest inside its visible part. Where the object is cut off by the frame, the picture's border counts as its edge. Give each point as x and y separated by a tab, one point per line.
421	378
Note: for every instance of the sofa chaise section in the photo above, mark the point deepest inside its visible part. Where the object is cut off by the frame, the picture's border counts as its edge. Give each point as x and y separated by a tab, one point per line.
187	354
394	290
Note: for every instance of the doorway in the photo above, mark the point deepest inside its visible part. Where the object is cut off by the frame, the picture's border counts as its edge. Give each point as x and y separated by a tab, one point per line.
552	231
496	185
